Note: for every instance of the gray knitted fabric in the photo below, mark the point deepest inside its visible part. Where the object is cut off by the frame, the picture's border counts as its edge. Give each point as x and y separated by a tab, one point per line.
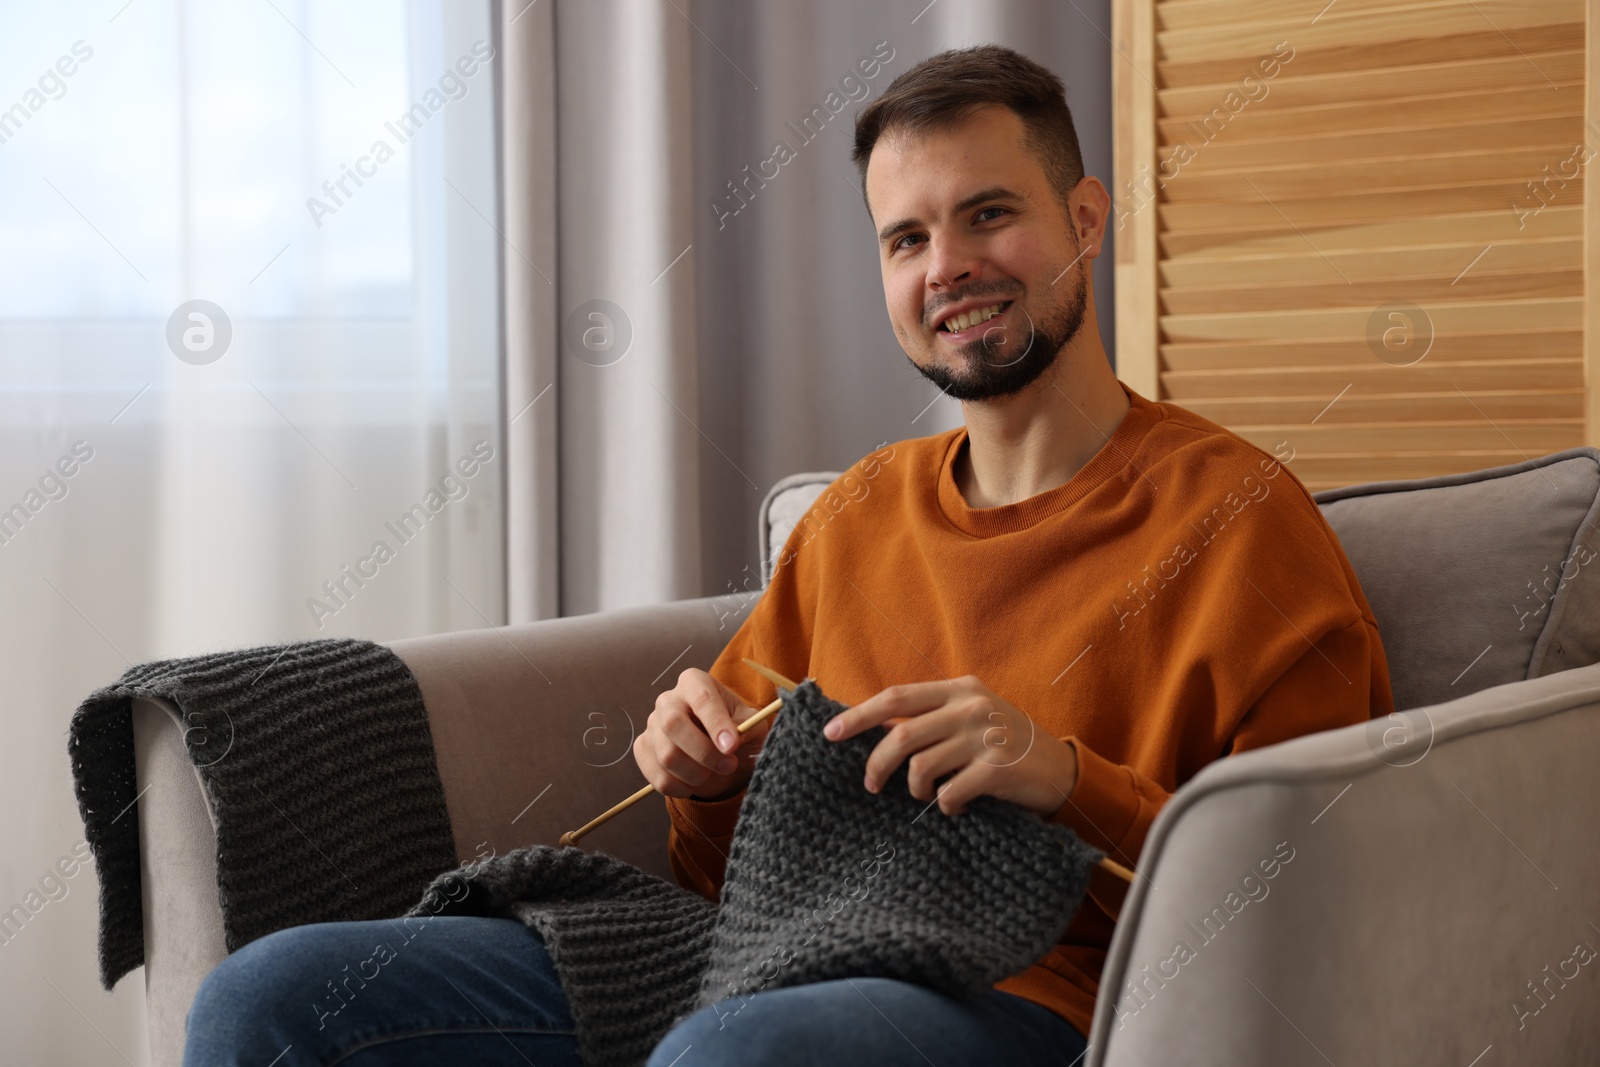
629	947
825	881
318	763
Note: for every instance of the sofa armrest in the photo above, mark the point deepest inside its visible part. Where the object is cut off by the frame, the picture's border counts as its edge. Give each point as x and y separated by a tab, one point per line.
533	725
1372	901
532	728
177	874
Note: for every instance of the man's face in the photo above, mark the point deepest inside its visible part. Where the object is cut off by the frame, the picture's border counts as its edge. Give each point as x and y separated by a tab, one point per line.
984	276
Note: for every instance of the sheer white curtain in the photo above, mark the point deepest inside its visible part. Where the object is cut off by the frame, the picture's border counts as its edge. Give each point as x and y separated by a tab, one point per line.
324	177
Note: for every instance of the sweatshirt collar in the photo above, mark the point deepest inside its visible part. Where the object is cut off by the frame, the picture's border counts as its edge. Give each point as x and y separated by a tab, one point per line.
1114	456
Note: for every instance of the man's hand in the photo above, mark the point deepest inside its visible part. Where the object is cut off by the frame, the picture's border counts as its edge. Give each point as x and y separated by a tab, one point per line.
676	752
960	727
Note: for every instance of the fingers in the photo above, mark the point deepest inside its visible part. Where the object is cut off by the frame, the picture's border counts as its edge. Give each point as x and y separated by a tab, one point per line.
959	734
664	764
915	739
925	768
676	752
973	780
897	701
1039	781
713	704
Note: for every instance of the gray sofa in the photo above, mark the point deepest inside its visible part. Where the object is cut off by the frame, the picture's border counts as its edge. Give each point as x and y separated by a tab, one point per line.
1415	890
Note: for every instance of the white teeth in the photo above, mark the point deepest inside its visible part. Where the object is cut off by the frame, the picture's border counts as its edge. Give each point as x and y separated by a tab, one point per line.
966	320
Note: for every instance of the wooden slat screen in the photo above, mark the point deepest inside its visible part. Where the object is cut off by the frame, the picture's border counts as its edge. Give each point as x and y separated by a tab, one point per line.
1354	232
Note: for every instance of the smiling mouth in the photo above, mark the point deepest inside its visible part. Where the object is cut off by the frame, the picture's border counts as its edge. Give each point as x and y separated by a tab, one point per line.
970	321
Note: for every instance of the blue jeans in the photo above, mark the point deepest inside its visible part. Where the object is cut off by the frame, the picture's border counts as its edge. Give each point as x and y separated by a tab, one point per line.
446	989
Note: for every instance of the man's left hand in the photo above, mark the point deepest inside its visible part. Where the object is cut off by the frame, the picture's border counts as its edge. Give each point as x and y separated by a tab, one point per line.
960	727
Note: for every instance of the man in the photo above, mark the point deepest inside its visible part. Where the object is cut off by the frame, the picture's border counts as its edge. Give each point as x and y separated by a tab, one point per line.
1073	603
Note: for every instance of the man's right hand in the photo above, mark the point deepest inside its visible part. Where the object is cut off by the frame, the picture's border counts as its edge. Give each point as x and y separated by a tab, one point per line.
677	753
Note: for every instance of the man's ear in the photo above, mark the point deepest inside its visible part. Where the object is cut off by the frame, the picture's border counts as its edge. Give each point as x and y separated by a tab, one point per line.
1085	192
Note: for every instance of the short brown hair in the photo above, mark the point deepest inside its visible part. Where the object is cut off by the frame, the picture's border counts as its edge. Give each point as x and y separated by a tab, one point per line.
944	89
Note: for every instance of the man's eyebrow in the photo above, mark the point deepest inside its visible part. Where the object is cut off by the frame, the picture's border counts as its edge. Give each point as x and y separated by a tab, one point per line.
995	192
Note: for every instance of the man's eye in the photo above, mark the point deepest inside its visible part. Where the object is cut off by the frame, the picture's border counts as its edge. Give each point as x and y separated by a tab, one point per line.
982	212
901	243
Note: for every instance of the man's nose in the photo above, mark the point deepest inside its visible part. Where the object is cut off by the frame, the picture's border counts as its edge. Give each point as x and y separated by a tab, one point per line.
950	262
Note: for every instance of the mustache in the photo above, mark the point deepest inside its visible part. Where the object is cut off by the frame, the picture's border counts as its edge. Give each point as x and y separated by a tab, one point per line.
1007	292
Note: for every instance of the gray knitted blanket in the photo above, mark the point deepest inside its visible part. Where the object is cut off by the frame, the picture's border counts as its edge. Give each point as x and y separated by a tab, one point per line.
318	763
825	881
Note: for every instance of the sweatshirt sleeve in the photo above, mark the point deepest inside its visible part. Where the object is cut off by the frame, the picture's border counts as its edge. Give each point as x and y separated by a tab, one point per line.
698	839
1340	680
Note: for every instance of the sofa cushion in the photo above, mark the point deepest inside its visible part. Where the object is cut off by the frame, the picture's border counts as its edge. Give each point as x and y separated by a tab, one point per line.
1478	579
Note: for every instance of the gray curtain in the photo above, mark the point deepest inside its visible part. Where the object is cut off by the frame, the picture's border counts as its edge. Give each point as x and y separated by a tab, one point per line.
692	313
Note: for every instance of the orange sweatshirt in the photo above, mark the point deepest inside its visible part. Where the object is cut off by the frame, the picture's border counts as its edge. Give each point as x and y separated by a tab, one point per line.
1180	599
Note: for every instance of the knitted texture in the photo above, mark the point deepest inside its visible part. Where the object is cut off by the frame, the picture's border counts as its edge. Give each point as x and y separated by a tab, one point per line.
834	882
318	764
629	947
824	881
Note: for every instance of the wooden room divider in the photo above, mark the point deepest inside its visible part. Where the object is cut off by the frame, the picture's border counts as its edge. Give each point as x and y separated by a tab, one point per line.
1357	232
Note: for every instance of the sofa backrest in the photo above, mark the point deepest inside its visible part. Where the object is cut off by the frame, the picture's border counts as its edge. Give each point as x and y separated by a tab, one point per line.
786	504
1478	579
1475	579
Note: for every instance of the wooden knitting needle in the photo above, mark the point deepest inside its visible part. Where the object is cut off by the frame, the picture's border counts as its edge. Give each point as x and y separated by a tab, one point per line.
769	674
1116	868
572	836
759	717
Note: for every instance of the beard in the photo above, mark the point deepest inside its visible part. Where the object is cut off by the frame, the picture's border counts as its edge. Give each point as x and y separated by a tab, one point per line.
988	368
